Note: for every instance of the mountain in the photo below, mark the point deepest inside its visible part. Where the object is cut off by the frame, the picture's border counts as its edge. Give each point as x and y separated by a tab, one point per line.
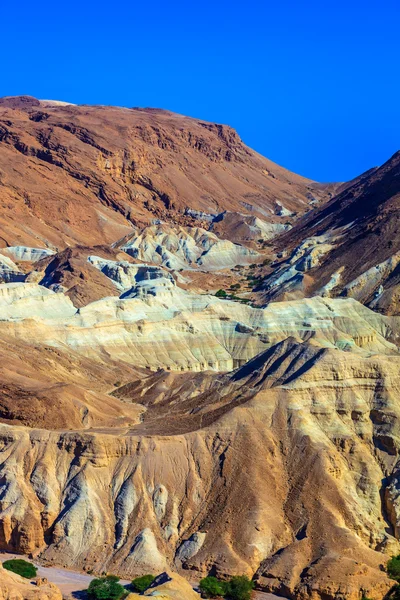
159	410
85	174
164	429
349	246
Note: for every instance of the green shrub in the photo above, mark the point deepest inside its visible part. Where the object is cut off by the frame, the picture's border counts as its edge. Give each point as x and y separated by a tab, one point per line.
221	294
21	567
239	588
106	588
140	584
395	593
235	286
211	587
393	567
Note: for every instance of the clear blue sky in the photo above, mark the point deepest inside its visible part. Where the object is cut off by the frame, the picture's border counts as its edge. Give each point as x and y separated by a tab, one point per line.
313	85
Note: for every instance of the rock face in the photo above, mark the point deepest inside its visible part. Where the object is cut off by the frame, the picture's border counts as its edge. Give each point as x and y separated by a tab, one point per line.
13	587
23	253
244	229
186	247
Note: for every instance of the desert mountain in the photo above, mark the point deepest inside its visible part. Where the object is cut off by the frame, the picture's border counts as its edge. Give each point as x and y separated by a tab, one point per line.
348	247
130	445
151	423
85	174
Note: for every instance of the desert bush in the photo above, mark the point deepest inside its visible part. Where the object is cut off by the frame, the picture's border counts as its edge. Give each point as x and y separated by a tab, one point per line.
239	588
393	568
211	587
21	567
106	588
140	584
221	294
395	593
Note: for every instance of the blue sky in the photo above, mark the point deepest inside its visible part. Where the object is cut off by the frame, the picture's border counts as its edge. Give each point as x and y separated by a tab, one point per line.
313	85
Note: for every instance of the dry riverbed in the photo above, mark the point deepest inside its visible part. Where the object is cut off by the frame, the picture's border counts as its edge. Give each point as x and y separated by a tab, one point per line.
73	582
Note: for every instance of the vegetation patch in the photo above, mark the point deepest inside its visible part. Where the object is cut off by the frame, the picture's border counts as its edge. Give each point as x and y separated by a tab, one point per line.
211	587
21	567
393	568
221	294
106	588
140	584
240	588
237	588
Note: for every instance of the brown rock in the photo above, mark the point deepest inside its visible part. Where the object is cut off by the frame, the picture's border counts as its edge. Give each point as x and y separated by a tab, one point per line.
106	168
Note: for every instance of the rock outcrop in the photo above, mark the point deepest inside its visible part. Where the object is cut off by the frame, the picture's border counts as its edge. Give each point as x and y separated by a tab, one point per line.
169	586
186	247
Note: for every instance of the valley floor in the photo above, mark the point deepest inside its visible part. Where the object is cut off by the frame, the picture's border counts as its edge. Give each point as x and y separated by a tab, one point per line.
72	582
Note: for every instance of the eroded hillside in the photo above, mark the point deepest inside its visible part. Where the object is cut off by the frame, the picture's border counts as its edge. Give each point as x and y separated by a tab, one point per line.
157	410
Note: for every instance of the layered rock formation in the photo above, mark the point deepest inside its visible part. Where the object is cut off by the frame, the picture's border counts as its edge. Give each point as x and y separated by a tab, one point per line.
186	247
147	425
159	325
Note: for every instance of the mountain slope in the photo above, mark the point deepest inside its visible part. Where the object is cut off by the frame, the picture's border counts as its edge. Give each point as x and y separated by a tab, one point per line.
350	246
84	174
256	471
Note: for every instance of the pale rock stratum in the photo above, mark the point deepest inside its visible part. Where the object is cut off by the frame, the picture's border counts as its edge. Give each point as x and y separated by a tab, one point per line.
150	425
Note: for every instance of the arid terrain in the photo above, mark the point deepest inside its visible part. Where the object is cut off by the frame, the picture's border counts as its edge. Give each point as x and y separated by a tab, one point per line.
199	357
